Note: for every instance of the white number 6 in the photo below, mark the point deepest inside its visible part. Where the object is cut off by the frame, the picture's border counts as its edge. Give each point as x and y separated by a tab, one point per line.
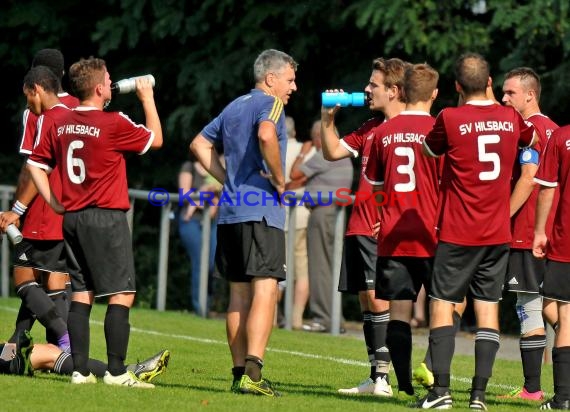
73	162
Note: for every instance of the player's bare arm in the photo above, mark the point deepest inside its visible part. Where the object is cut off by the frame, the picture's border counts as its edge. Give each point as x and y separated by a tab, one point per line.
523	188
543	205
145	94
206	154
40	178
269	147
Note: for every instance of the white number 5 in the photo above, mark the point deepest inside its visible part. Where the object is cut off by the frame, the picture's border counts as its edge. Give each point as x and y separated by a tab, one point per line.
485	156
73	162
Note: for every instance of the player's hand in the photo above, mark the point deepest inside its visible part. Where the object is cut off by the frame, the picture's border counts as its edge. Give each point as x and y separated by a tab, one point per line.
144	88
8	218
328	113
539	246
279	186
375	229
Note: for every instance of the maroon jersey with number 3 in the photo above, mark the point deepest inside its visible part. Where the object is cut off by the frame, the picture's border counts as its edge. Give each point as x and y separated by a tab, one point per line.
554	171
410	182
480	141
89	148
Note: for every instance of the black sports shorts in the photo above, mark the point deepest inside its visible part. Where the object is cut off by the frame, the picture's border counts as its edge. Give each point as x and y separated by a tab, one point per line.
250	249
358	269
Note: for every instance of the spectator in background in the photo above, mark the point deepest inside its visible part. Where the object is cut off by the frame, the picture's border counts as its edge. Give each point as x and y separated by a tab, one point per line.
301	291
321	177
193	176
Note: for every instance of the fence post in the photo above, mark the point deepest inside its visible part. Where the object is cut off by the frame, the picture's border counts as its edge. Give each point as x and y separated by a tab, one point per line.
163	256
205	260
337	260
7	192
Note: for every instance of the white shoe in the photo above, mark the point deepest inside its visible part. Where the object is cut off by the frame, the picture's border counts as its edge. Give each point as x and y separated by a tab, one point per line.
378	388
78	378
126	379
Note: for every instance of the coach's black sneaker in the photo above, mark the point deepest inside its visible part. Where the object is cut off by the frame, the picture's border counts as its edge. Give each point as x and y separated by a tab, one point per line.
21	364
554	404
263	387
434	401
477	402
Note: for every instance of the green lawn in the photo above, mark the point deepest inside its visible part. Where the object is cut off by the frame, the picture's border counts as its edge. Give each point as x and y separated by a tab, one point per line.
307	368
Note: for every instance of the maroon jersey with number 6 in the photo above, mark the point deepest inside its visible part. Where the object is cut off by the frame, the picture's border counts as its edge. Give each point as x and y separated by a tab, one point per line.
480	141
89	147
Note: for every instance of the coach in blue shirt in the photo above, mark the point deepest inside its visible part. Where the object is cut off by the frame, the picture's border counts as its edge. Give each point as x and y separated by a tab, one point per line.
251	240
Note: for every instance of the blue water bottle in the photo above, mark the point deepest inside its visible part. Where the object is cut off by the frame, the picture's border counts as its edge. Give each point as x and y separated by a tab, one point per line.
331	99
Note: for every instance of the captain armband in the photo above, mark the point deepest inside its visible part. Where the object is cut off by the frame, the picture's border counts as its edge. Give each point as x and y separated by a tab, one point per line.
528	156
19	208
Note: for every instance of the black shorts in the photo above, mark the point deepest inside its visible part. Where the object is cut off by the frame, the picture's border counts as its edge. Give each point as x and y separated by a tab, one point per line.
525	273
359	254
556	285
46	255
402	277
99	251
250	249
479	270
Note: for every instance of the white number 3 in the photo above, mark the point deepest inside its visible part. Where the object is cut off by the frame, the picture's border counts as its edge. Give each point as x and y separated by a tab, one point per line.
485	156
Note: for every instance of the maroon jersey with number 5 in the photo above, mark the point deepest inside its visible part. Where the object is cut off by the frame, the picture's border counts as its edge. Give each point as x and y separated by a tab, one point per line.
480	141
89	147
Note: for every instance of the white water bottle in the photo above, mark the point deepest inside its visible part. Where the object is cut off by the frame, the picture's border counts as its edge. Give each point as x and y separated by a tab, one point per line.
14	234
128	85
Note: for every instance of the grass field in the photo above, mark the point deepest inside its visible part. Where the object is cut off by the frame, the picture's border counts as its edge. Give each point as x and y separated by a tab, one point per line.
307	368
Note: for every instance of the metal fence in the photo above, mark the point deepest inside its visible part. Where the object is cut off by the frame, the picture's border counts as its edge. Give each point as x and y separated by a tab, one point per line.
7	192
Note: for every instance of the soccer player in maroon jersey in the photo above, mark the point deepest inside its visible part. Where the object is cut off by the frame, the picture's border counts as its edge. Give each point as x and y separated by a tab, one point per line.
521	90
88	146
409	184
40	273
553	172
480	140
384	93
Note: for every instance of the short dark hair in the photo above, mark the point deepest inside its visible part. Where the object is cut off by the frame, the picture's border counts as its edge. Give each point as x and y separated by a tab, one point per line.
41	76
84	75
51	58
472	73
528	77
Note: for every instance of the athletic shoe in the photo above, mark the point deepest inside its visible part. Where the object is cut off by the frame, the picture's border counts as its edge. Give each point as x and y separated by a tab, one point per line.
478	403
126	379
149	369
78	379
379	388
434	401
263	387
553	404
21	364
423	376
235	386
522	393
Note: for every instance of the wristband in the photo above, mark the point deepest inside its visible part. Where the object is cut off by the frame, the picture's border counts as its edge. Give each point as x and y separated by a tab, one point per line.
19	208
